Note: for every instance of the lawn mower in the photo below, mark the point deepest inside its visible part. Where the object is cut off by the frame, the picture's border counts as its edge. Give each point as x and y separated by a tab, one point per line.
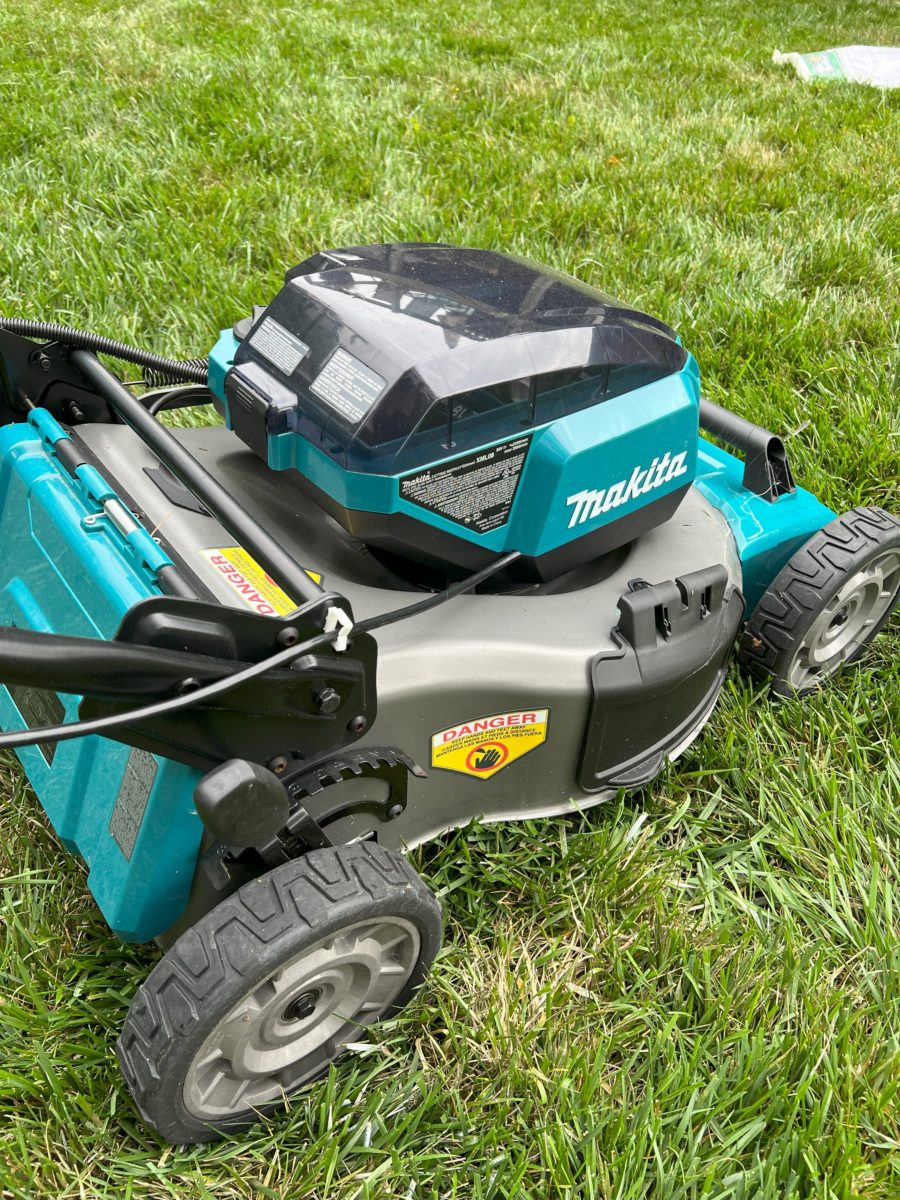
457	551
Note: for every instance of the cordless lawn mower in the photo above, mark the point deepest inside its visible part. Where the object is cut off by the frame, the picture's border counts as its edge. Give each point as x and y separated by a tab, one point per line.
458	551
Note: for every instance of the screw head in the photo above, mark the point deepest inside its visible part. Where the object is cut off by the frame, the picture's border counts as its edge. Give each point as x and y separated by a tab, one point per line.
394	812
357	725
288	637
278	764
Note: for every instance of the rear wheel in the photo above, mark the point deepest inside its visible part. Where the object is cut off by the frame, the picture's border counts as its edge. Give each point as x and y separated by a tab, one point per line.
828	601
259	996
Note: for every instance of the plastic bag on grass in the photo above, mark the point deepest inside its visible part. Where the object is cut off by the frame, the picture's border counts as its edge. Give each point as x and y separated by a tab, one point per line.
878	65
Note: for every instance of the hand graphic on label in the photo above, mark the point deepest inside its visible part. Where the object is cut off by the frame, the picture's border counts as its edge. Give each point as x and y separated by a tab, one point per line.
486	760
483	746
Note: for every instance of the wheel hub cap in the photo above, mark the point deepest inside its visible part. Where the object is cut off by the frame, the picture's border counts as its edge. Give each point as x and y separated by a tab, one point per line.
847	620
292	1024
302	1006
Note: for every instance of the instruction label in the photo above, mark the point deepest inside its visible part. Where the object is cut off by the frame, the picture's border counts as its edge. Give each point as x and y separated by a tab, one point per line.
278	345
246	578
477	490
37	708
131	802
348	386
485	745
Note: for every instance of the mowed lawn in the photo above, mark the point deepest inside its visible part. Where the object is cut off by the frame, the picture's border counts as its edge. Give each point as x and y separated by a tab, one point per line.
694	991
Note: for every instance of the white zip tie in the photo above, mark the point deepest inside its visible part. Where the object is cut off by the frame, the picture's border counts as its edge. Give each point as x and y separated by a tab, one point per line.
337	619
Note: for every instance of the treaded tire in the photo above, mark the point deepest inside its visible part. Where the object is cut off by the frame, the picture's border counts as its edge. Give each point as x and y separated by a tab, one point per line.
248	938
788	621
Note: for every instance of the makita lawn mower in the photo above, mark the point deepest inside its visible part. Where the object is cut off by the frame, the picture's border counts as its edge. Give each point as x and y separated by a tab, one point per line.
458	551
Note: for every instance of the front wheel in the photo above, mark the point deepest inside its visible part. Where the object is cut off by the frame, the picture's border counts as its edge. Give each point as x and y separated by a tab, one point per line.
827	602
259	996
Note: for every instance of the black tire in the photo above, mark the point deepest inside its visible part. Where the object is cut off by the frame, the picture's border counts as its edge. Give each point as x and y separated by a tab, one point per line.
828	601
221	980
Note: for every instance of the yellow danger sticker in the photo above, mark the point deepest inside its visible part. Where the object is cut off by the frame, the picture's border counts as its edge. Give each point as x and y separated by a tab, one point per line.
486	745
249	581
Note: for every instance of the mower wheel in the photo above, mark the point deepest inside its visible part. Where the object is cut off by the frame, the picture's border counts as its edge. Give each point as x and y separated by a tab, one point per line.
826	603
259	996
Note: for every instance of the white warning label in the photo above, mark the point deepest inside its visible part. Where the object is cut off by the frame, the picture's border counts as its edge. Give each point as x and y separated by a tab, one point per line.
348	386
278	345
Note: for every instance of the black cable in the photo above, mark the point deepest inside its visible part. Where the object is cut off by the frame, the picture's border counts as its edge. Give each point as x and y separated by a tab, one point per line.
200	395
455	589
100	725
65	733
154	401
195	370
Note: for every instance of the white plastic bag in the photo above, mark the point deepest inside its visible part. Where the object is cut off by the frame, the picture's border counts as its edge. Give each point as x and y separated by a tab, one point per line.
878	65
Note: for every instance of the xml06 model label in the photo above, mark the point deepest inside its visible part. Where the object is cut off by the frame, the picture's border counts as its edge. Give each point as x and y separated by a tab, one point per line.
485	745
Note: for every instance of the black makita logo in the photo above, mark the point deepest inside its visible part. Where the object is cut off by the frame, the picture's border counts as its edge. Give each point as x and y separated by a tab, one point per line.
591	503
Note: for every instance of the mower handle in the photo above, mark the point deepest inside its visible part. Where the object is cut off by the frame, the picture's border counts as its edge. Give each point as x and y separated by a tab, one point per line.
118	671
283	568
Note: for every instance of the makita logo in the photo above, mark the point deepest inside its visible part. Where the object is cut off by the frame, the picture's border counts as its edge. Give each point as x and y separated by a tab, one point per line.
591	503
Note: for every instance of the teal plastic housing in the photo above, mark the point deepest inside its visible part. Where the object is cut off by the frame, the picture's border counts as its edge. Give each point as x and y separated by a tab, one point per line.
767	532
67	569
221	360
577	451
597	449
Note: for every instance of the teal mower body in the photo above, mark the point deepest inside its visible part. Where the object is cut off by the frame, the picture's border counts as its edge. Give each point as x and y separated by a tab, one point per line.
466	543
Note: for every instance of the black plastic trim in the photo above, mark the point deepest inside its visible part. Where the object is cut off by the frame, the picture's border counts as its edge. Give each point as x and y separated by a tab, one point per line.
178	644
767	471
674	640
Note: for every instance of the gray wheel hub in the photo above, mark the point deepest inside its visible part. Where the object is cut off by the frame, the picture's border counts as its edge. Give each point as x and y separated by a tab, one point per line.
847	620
291	1024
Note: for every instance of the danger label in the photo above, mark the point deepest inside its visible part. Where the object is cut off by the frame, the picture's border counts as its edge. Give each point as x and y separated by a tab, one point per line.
246	578
477	490
485	745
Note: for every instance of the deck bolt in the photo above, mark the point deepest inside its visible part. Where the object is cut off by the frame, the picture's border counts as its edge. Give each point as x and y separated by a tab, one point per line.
327	700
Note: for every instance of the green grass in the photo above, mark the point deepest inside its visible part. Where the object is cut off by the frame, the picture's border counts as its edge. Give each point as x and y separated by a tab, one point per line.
694	992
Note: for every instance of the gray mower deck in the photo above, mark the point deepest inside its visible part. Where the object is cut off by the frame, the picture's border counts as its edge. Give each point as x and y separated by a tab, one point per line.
476	657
